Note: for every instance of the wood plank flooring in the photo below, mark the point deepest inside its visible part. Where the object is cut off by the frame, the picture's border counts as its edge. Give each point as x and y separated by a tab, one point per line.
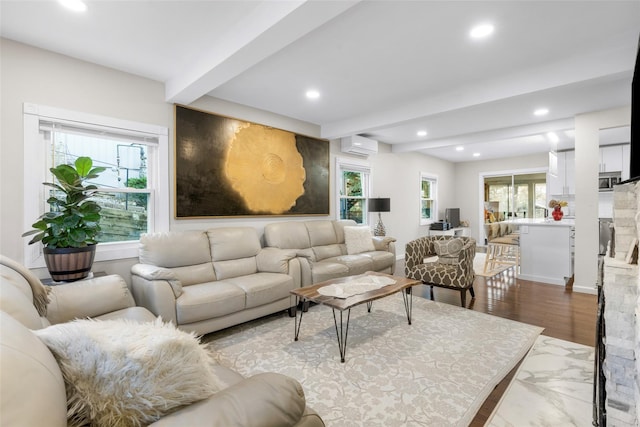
564	314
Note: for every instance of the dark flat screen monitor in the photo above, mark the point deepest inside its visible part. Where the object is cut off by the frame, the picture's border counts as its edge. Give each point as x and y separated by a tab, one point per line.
452	216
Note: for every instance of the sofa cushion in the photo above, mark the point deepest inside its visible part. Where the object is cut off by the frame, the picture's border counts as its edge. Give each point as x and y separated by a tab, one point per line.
194	274
263	288
120	373
326	270
326	251
231	243
321	233
448	250
339	226
208	300
358	240
174	249
380	259
235	267
16	300
357	264
33	392
287	235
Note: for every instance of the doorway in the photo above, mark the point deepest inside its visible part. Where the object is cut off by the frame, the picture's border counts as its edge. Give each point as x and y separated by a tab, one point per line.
514	195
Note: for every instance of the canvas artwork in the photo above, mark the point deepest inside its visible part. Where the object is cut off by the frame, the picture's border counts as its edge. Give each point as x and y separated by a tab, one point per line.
228	167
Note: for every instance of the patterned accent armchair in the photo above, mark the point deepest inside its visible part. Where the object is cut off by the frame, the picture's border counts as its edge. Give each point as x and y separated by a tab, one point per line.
453	273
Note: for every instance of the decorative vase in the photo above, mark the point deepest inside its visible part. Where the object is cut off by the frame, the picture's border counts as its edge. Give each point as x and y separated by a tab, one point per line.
69	264
557	213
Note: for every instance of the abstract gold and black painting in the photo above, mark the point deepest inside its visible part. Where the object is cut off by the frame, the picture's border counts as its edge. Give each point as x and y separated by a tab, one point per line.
227	167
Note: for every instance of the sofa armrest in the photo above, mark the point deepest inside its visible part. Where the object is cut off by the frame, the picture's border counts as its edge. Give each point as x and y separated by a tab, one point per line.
275	260
263	400
157	296
383	243
415	252
88	298
151	272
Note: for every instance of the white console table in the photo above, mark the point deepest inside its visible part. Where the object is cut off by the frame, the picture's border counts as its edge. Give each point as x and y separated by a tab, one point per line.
458	232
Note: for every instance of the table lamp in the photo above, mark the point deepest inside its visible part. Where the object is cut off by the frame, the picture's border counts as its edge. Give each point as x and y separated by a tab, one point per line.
379	205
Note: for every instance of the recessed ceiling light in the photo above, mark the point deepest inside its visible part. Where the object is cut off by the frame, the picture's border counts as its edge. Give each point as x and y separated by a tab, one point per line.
75	5
541	112
422	133
553	137
481	31
476	154
459	148
313	94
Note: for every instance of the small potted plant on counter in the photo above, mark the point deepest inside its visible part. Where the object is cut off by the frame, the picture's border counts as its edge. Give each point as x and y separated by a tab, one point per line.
68	231
557	206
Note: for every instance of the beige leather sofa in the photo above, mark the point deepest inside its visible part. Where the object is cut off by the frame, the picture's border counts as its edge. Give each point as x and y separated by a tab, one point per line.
33	391
321	248
204	281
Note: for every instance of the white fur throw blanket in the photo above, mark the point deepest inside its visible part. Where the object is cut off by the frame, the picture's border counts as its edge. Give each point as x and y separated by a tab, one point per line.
124	373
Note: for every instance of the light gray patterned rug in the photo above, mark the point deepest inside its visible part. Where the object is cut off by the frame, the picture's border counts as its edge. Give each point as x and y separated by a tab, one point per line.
436	372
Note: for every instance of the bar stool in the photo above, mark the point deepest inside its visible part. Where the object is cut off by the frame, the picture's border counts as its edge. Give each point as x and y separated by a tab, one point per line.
503	248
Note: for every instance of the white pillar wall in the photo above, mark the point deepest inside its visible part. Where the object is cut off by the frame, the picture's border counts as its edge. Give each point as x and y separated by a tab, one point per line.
587	137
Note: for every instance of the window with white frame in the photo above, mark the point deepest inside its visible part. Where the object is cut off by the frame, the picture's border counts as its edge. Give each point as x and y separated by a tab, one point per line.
428	198
133	191
353	182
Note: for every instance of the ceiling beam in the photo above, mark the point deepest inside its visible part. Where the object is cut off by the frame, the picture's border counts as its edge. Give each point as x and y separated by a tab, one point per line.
493	135
569	71
270	27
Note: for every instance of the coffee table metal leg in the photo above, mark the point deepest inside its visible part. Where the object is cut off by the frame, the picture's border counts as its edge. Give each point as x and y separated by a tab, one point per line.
342	333
407	297
296	322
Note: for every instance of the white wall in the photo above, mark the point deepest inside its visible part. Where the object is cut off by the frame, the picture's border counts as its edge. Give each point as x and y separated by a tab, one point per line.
397	176
468	183
37	76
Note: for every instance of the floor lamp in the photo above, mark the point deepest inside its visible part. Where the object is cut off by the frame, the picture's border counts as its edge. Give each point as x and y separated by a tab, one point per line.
379	205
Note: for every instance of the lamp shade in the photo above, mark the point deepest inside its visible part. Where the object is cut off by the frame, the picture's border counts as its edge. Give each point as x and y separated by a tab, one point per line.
380	205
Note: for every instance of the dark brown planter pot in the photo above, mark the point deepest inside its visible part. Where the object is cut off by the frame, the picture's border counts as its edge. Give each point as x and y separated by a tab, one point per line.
69	264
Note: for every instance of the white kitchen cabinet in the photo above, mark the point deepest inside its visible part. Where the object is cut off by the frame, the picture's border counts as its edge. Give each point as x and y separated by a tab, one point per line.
626	156
564	182
611	158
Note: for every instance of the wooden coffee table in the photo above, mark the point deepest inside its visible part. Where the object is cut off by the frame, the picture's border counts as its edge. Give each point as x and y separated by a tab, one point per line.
310	293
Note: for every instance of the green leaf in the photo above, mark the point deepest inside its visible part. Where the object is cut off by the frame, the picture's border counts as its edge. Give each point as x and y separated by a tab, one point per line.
83	166
78	235
36	239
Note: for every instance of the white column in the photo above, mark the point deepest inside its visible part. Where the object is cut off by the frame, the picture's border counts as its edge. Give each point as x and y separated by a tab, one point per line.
587	133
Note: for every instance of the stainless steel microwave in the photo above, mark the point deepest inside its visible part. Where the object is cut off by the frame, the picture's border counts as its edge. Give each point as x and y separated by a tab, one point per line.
607	180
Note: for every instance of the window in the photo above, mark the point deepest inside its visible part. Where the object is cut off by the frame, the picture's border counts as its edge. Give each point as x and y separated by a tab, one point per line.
515	195
133	191
353	184
428	198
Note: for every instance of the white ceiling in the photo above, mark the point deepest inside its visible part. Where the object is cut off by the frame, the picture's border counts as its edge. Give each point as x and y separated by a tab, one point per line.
385	69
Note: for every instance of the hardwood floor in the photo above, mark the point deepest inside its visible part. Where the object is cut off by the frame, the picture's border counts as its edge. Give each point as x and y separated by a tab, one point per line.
564	314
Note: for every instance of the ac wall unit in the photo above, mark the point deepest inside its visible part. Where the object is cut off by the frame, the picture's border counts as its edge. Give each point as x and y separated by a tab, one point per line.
359	145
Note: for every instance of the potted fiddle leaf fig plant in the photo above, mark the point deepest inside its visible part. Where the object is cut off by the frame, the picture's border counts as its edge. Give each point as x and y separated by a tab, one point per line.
68	231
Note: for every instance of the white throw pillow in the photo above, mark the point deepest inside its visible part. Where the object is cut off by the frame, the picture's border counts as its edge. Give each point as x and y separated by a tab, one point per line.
358	239
125	373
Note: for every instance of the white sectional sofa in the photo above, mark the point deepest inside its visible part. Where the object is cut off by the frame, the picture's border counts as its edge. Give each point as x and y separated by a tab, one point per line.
325	254
204	281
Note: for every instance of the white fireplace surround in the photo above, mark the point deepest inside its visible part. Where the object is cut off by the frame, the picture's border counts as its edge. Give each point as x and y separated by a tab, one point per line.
621	287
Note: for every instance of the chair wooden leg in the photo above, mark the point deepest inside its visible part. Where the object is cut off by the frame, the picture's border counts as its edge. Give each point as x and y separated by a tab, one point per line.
431	293
463	297
472	292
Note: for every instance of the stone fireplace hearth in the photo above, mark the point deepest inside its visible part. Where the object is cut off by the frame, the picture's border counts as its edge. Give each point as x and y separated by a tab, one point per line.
621	288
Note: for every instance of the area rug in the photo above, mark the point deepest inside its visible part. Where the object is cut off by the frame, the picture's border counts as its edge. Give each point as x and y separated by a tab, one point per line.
436	372
478	266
